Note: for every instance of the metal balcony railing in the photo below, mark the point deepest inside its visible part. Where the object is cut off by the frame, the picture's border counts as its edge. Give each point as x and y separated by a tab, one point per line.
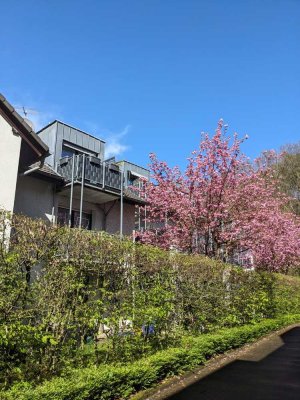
96	172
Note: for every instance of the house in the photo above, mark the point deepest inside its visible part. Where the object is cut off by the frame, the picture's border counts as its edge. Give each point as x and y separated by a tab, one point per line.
19	148
60	174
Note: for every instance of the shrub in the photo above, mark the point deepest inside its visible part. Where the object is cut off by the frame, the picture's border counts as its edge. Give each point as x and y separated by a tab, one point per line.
59	287
116	382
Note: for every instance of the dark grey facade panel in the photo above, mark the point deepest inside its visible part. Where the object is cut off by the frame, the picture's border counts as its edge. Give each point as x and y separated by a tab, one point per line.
48	135
67	133
135	168
59	142
131	169
88	144
79	138
55	134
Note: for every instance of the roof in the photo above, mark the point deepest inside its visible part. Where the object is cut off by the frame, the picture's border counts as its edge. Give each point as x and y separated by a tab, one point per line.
21	126
70	126
129	162
44	169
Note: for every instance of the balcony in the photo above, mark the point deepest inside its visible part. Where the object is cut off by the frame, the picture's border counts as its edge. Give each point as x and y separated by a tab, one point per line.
96	173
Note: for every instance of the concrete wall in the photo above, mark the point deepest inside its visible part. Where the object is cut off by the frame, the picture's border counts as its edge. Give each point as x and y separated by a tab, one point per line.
10	145
35	198
113	219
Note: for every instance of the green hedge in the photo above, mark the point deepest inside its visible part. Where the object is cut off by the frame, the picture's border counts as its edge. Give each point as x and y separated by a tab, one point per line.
115	382
59	287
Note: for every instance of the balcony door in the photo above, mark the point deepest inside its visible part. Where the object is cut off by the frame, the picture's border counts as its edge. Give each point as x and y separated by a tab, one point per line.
63	218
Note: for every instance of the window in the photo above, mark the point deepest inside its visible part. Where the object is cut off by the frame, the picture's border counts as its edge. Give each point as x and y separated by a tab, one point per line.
63	218
67	152
86	220
132	180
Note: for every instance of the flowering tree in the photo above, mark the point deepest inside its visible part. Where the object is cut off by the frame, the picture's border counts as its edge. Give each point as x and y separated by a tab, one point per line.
221	206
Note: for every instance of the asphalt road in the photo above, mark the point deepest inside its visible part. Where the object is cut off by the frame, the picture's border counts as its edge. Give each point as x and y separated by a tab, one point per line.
270	371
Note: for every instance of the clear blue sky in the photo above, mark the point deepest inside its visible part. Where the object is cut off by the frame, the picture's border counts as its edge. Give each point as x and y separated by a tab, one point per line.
149	75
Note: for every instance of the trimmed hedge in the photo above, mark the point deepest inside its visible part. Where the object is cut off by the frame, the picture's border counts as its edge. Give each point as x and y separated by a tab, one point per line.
115	382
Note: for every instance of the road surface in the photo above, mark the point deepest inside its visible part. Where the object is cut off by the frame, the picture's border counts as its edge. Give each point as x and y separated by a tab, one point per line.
268	371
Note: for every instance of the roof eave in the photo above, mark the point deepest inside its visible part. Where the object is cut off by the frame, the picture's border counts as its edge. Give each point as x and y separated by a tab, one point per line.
23	129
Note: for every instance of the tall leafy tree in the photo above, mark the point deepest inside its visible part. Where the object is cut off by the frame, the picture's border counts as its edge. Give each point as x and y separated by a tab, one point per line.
285	167
288	168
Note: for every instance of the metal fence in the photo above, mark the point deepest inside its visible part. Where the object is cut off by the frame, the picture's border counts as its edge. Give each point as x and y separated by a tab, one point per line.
96	172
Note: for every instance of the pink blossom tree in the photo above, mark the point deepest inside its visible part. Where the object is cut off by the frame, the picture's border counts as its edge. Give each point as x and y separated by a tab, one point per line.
221	206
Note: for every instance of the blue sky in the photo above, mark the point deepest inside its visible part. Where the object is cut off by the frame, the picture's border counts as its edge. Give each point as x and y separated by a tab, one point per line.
150	75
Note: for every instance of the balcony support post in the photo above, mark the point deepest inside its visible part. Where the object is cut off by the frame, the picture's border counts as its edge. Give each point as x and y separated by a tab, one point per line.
81	193
121	204
72	189
103	176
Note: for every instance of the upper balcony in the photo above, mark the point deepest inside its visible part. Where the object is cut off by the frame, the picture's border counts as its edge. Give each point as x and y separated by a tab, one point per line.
96	173
67	143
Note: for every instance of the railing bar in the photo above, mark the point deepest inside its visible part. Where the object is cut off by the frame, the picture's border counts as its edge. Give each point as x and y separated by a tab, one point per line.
81	194
121	205
72	188
103	176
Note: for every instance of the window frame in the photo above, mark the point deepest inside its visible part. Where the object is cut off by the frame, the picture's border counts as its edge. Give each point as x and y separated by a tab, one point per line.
87	215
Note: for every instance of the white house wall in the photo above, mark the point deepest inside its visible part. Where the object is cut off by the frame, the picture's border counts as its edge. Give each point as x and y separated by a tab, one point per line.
35	198
10	145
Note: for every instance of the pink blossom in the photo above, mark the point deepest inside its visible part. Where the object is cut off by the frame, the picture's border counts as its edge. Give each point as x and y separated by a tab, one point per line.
221	205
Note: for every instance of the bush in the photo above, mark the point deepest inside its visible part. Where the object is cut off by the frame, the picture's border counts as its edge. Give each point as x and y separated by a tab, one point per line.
23	350
116	382
65	285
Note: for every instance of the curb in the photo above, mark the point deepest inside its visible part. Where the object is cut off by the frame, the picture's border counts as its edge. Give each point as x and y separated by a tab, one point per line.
175	384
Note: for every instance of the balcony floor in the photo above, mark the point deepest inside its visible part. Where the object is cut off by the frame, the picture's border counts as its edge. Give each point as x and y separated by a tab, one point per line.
91	195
